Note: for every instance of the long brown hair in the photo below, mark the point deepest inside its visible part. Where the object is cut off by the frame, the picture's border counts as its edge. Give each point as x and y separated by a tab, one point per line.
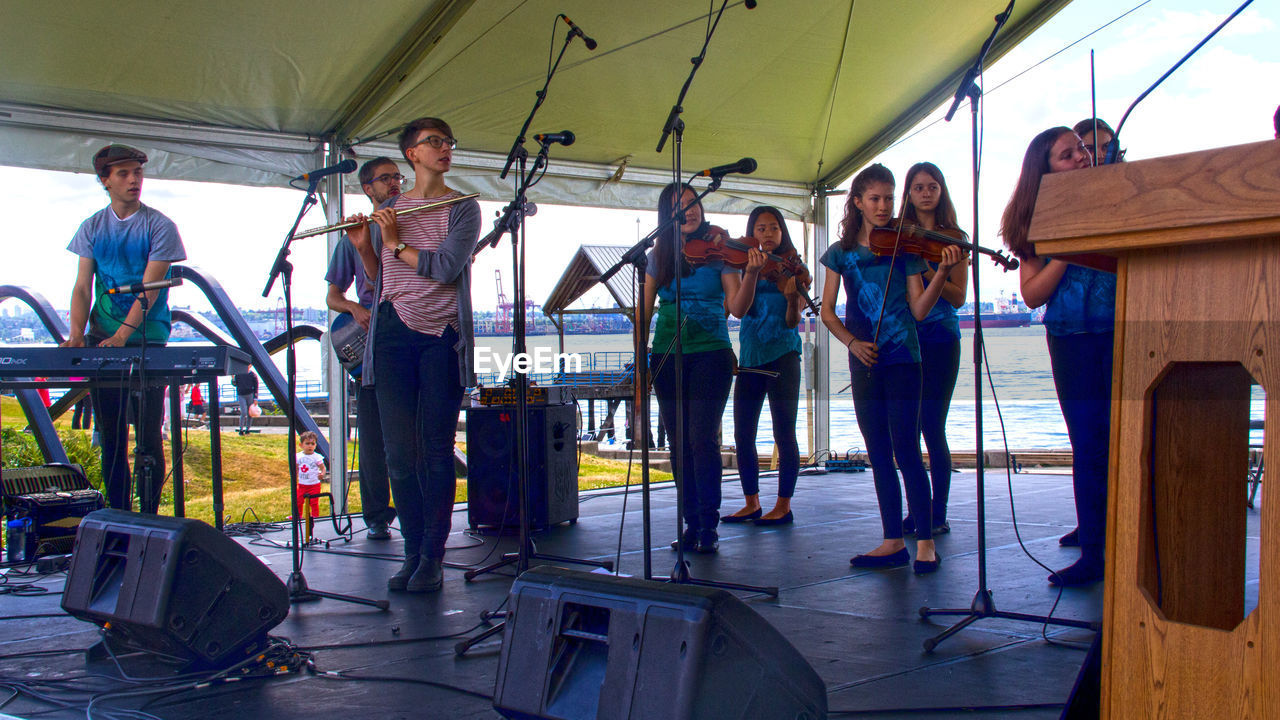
660	263
852	221
944	216
1017	214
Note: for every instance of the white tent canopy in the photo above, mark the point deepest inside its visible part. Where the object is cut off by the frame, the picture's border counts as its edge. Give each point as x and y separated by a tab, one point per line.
256	93
250	92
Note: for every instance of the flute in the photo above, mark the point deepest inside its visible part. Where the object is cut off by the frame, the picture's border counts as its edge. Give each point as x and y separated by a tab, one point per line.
406	211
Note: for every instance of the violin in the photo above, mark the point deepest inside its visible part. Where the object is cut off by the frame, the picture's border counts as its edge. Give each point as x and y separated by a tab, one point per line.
734	253
904	237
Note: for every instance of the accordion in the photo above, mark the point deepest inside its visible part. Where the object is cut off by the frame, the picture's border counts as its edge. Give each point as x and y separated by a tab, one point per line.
54	498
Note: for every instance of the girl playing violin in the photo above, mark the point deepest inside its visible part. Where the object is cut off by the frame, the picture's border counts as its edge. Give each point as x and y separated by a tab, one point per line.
708	358
1080	326
770	365
886	297
929	206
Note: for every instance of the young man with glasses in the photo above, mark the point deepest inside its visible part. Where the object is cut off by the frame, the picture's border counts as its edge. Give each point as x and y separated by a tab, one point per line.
122	244
380	180
421	343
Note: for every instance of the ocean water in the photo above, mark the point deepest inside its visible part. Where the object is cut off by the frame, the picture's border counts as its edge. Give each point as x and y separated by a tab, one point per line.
1020	384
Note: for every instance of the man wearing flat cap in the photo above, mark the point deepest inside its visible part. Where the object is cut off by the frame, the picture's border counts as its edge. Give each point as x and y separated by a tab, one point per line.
124	243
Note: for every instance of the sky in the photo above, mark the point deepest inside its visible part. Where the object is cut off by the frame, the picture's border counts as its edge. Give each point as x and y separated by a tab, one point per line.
1225	95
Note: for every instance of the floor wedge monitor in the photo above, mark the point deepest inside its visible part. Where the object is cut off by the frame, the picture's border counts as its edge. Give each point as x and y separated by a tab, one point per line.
586	645
174	587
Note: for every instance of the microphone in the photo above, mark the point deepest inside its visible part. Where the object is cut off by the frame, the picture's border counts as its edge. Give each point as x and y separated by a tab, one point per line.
341	168
591	44
745	166
138	288
751	4
564	137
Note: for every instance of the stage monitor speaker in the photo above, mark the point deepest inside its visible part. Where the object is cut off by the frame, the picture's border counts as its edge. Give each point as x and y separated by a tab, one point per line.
172	586
585	645
492	494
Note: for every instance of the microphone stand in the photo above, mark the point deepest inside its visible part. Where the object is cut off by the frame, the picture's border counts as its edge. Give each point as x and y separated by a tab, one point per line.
675	125
281	267
145	470
513	220
517	148
1113	147
983	605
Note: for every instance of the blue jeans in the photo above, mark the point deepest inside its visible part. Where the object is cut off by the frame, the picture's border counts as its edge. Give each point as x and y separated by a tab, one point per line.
784	397
375	491
1082	375
706	380
940	366
887	402
419	395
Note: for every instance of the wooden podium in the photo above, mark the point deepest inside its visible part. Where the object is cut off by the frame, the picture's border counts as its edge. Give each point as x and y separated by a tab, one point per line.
1197	237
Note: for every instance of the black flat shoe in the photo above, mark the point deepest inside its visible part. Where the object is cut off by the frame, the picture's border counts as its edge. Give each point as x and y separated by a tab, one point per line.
924	567
896	559
1082	573
741	518
784	520
1071	539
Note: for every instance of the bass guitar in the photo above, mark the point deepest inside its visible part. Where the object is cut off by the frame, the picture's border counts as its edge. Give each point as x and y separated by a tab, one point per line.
348	340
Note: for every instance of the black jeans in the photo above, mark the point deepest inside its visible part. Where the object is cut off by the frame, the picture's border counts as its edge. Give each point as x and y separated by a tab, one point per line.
887	402
939	365
114	409
783	392
706	380
1082	375
375	491
419	397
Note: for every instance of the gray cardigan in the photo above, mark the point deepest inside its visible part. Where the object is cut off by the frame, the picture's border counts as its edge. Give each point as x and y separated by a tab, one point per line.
450	263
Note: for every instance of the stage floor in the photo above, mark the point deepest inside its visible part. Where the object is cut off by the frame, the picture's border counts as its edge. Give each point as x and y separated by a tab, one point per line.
861	630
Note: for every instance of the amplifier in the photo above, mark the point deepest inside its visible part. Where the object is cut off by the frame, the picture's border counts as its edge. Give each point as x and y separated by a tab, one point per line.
55	517
538	395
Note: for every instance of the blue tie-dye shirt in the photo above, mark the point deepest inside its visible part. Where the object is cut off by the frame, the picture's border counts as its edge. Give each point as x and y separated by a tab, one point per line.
864	275
941	325
120	250
764	335
702	305
1083	302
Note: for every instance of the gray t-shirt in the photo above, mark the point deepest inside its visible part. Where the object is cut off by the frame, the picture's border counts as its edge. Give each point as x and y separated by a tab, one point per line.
120	250
346	266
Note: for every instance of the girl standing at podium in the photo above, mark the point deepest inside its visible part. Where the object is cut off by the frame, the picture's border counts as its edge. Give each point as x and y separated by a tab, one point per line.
886	297
1079	322
929	206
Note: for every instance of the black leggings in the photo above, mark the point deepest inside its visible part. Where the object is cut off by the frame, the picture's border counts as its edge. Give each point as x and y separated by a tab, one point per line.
887	402
748	399
705	382
940	365
1082	366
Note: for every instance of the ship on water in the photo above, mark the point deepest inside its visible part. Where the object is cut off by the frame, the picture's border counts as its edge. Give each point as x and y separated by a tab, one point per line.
1007	311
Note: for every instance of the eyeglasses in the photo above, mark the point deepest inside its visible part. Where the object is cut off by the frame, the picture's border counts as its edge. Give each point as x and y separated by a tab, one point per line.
437	142
388	178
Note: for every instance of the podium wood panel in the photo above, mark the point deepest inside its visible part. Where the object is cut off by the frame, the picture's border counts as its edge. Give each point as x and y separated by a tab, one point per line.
1197	318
